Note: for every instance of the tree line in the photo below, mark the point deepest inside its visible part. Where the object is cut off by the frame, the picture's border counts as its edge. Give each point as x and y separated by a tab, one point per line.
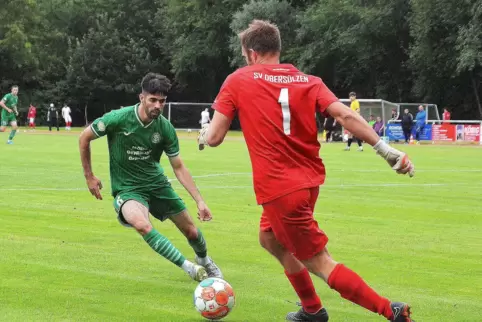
93	53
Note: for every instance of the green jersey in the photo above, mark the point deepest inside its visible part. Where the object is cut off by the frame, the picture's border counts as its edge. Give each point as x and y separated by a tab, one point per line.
135	148
10	101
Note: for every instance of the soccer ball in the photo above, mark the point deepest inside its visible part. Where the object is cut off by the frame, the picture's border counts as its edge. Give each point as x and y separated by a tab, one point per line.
214	298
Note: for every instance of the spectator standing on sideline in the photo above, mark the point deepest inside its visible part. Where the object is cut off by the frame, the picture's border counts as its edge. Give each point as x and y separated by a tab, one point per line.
420	118
407	122
446	116
53	117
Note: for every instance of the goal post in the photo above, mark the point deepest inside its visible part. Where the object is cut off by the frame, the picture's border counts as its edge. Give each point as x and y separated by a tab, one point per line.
431	109
375	108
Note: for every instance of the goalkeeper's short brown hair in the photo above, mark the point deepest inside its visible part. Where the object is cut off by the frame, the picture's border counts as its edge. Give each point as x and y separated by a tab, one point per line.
262	37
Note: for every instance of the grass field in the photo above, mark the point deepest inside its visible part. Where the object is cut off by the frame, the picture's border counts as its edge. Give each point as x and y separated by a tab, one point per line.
64	257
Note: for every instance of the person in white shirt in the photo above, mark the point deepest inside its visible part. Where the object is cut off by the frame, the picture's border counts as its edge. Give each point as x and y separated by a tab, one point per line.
67	118
205	118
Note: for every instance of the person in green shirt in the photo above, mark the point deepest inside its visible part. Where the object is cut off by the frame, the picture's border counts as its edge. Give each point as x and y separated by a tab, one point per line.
371	121
137	136
9	113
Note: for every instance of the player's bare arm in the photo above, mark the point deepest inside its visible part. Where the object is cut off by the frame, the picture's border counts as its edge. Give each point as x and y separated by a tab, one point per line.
214	134
2	104
93	183
354	123
185	178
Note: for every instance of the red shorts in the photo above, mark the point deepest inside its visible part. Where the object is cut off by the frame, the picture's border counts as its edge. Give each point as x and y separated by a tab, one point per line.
290	218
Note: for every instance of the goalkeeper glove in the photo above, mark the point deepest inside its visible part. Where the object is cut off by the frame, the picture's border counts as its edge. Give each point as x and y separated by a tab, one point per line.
202	138
398	160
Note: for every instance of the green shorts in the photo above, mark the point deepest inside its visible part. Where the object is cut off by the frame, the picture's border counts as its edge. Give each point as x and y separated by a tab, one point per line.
8	118
162	202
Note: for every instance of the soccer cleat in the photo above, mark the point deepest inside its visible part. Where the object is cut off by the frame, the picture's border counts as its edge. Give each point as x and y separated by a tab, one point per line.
9	142
401	312
303	316
360	149
347	149
211	268
198	273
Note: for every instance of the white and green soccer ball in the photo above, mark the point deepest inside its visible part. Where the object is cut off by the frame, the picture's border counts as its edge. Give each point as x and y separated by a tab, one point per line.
214	298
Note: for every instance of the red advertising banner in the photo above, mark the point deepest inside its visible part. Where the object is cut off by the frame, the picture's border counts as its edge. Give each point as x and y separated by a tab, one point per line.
456	132
472	133
443	132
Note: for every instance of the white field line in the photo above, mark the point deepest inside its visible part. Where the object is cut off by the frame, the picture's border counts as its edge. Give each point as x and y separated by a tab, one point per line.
325	186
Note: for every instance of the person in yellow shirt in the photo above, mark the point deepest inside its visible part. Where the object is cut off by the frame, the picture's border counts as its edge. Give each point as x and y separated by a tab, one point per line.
355	106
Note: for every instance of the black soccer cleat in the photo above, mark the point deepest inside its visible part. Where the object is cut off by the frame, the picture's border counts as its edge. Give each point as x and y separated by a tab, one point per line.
303	316
401	312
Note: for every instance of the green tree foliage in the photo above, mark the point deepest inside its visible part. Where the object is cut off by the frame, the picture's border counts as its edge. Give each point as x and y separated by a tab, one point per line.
278	12
94	52
18	46
106	66
441	30
196	41
361	46
469	46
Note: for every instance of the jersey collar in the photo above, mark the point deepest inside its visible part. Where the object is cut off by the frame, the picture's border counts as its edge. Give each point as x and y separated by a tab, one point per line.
136	111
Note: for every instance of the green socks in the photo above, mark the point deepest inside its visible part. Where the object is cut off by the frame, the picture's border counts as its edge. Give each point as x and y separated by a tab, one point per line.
199	245
12	134
163	247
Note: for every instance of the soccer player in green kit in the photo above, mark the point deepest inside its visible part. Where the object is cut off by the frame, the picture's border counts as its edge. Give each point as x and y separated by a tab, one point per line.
8	105
137	136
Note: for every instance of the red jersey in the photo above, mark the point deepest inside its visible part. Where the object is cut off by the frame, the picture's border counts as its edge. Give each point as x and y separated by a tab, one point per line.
446	116
32	112
276	105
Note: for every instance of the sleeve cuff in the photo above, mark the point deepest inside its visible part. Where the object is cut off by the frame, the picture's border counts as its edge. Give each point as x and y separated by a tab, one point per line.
95	132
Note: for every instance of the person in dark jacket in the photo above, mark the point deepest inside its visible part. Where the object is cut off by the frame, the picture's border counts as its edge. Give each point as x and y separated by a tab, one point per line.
329	126
407	123
53	117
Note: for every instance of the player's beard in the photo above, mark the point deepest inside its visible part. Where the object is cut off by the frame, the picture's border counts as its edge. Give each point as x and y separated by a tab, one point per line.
151	112
154	113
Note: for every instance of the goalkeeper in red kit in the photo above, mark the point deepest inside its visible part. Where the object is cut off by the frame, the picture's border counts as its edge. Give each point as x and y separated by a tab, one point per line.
276	104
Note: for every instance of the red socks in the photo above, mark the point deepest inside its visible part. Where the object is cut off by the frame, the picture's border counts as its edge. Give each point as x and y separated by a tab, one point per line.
353	288
344	281
303	285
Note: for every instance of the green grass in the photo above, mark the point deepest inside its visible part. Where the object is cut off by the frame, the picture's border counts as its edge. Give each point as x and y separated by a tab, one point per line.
64	257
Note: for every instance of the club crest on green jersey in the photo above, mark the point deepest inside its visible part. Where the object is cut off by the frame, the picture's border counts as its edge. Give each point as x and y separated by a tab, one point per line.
101	126
156	138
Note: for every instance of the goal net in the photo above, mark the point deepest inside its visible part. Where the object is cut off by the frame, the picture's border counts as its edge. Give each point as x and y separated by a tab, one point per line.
431	109
186	116
375	108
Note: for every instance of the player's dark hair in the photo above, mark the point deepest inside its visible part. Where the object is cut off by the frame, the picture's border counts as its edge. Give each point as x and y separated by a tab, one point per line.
155	84
262	37
352	94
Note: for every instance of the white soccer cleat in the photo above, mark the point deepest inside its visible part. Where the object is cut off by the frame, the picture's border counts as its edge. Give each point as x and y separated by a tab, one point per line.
198	273
211	268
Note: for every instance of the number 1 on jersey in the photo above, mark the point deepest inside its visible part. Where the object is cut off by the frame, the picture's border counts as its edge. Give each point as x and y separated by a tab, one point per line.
285	109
